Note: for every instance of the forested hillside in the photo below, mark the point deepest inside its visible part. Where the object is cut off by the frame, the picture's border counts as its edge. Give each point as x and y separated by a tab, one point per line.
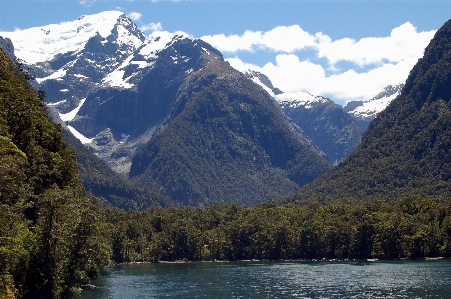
225	141
113	189
50	234
405	149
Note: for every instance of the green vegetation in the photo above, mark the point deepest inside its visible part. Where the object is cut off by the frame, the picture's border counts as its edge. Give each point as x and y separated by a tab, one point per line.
414	227
111	188
50	234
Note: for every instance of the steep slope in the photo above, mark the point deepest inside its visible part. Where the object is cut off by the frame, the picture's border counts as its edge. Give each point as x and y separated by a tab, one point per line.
121	121
225	140
406	148
263	81
333	130
8	48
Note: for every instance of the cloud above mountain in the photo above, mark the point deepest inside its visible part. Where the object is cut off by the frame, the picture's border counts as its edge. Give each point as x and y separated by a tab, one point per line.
136	17
279	39
343	69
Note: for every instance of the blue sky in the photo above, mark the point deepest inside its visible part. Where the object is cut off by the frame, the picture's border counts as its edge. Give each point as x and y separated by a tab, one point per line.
341	49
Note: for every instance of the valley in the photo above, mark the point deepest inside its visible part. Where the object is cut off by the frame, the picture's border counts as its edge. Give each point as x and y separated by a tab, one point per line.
118	148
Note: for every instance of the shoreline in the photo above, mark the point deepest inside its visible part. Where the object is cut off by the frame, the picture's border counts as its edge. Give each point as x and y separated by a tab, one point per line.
285	261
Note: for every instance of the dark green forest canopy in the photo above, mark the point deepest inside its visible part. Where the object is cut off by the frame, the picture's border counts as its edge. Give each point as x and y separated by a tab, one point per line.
49	235
405	150
413	227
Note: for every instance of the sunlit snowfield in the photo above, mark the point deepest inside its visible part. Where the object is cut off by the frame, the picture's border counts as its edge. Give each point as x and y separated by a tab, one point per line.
398	279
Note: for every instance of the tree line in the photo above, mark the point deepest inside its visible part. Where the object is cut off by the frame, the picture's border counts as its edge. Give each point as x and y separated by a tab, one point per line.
414	227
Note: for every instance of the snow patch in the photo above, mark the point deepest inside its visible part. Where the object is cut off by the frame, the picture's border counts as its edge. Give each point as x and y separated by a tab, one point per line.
56	75
70	115
298	99
372	107
57	103
206	51
116	79
142	64
155	42
266	88
79	136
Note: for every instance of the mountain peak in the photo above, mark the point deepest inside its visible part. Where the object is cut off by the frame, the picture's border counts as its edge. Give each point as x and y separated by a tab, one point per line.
50	40
295	99
263	81
365	111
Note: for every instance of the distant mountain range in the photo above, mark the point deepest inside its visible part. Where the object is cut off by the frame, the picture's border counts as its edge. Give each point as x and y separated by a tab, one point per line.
365	111
168	112
334	129
405	149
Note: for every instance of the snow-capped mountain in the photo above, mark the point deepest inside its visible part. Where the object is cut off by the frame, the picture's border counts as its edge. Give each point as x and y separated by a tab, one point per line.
169	111
72	58
71	37
365	111
325	123
299	99
84	64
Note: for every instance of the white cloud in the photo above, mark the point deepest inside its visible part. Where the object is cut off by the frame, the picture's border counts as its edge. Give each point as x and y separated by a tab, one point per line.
404	42
233	43
287	39
87	2
280	39
292	75
371	63
135	16
152	27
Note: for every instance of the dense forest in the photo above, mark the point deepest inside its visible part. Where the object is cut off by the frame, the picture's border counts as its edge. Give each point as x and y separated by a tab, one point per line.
50	233
414	227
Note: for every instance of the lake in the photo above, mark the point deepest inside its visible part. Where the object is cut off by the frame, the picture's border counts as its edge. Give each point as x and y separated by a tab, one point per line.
381	279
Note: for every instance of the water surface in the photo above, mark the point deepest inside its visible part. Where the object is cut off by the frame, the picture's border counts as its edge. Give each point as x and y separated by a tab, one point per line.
397	279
